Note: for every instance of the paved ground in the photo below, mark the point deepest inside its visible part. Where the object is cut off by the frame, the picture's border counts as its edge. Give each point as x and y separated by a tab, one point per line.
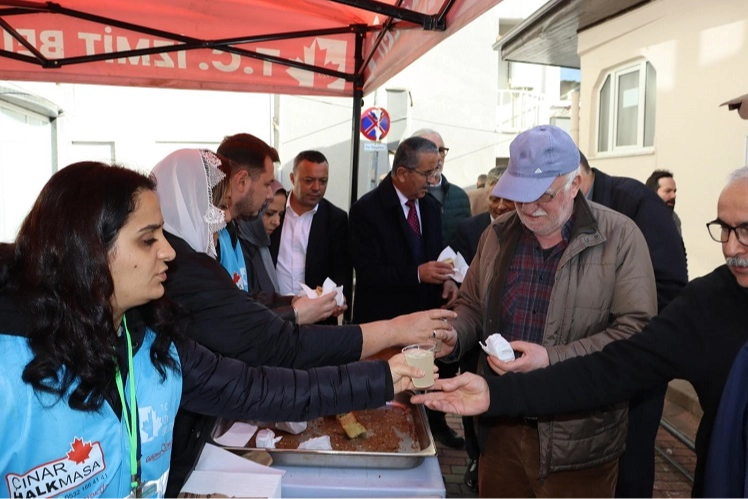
668	481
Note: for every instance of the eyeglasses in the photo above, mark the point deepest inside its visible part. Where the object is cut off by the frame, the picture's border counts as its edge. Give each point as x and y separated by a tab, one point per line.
443	151
547	197
720	232
427	175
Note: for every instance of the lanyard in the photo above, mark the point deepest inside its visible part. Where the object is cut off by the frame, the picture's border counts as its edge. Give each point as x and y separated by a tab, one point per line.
131	421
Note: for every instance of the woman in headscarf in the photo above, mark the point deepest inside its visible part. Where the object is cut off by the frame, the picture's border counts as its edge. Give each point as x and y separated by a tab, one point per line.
226	320
94	366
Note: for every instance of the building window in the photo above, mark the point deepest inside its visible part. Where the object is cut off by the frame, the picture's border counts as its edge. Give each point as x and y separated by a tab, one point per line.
627	108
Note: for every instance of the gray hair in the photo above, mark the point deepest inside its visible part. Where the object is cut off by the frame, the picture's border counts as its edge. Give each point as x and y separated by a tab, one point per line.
426	131
494	174
570	178
737	175
409	152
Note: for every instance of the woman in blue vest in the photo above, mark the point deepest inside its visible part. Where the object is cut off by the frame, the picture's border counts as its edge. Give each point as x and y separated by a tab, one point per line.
93	365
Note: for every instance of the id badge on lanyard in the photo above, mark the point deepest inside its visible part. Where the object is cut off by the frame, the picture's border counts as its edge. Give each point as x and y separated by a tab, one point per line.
147	489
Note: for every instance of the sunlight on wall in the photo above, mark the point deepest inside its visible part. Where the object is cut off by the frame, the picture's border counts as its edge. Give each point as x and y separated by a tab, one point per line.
721	42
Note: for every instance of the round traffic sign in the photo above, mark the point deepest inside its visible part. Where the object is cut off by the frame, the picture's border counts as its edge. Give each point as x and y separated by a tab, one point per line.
375	123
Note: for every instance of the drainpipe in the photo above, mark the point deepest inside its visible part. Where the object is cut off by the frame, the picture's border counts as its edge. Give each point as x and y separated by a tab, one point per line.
574	125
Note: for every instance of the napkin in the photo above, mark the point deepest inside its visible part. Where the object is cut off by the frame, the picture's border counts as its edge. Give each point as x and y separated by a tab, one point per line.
497	346
266	439
292	428
460	265
317	443
237	436
327	286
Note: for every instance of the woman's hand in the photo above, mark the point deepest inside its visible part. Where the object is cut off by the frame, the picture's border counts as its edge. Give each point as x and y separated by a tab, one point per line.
429	326
402	373
466	394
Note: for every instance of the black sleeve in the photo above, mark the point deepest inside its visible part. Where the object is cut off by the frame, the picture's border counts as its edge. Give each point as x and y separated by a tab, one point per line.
666	249
672	345
340	256
226	320
220	386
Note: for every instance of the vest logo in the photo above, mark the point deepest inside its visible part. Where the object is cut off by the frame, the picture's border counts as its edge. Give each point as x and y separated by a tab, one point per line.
82	462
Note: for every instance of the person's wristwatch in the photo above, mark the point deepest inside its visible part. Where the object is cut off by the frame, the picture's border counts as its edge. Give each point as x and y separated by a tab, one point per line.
295	314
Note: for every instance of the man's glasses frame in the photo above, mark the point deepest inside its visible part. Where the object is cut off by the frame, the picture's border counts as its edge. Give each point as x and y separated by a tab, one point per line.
443	151
427	175
719	231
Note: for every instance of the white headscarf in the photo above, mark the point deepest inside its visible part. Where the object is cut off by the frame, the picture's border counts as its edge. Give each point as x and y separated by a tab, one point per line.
184	180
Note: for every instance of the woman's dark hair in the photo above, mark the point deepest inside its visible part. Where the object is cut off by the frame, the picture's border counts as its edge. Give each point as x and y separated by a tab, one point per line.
60	274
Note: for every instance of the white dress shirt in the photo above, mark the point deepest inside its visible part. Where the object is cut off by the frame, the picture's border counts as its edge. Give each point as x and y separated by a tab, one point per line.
291	265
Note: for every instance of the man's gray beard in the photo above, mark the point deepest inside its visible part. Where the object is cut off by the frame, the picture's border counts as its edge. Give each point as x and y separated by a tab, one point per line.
734	261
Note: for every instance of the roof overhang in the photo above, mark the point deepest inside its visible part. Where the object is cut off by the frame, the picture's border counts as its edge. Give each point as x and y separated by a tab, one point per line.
549	35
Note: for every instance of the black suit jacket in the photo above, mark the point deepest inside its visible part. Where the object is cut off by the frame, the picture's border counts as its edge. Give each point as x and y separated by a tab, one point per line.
468	235
384	257
655	220
328	253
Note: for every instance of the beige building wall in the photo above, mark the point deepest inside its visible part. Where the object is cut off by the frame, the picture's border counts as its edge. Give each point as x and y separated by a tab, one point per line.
700	52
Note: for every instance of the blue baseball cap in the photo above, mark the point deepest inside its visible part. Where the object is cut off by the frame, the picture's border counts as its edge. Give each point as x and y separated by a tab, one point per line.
536	157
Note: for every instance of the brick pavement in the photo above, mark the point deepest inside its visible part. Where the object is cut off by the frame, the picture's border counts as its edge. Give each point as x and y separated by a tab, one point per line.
668	481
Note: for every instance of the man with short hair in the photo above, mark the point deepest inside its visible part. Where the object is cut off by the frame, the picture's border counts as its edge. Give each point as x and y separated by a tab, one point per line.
311	242
477	196
636	471
560	277
700	337
396	237
454	202
663	183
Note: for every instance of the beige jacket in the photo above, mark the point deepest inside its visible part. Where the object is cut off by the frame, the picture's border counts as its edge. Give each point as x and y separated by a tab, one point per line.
604	291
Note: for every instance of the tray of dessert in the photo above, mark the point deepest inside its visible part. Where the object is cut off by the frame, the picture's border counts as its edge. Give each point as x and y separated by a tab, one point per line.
396	435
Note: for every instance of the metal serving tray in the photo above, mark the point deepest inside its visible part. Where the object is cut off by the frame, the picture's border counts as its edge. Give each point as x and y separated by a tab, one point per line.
424	445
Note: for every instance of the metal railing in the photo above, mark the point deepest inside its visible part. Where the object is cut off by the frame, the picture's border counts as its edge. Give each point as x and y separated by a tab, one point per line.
519	110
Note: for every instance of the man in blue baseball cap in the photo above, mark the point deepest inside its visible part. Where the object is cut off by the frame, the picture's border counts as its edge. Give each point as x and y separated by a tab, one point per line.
560	277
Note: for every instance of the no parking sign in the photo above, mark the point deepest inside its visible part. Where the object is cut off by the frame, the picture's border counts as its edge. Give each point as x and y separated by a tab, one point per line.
375	123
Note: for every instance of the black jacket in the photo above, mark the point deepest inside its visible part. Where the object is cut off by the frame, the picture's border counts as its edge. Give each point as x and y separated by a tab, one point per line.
227	321
384	256
695	338
220	386
468	235
655	220
327	252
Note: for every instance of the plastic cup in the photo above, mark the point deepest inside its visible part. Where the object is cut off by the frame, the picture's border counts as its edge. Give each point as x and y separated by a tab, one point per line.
421	355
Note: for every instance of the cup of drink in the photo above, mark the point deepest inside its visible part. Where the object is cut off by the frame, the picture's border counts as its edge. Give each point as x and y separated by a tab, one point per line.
421	355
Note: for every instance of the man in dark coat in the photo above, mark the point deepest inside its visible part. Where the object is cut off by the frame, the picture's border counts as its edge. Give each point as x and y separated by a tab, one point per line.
396	237
311	242
633	199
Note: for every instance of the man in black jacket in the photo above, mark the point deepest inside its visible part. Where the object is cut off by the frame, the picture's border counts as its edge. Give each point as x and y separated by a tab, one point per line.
698	337
633	199
311	242
396	237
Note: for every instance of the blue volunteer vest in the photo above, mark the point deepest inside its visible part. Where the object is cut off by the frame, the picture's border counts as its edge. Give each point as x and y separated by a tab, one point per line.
232	259
48	449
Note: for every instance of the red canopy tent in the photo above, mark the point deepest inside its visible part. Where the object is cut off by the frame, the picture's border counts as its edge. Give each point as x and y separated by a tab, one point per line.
315	47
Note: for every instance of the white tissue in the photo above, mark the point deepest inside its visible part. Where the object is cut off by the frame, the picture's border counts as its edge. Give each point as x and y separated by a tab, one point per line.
327	286
317	443
497	346
292	428
266	439
460	265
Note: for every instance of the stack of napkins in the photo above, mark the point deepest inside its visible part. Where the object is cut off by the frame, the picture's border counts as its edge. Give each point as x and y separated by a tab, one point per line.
497	346
221	472
327	286
460	265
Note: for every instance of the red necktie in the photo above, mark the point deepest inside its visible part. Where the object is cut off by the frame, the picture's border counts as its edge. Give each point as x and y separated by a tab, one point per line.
413	217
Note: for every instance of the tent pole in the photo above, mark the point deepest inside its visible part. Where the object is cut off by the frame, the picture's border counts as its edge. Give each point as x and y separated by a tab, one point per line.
358	97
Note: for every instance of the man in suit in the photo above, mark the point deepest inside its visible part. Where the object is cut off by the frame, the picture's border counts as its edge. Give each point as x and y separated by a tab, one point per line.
477	196
396	237
469	233
454	201
470	229
636	471
311	242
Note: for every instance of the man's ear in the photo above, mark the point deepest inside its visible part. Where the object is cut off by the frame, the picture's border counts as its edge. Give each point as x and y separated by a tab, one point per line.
241	180
293	178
